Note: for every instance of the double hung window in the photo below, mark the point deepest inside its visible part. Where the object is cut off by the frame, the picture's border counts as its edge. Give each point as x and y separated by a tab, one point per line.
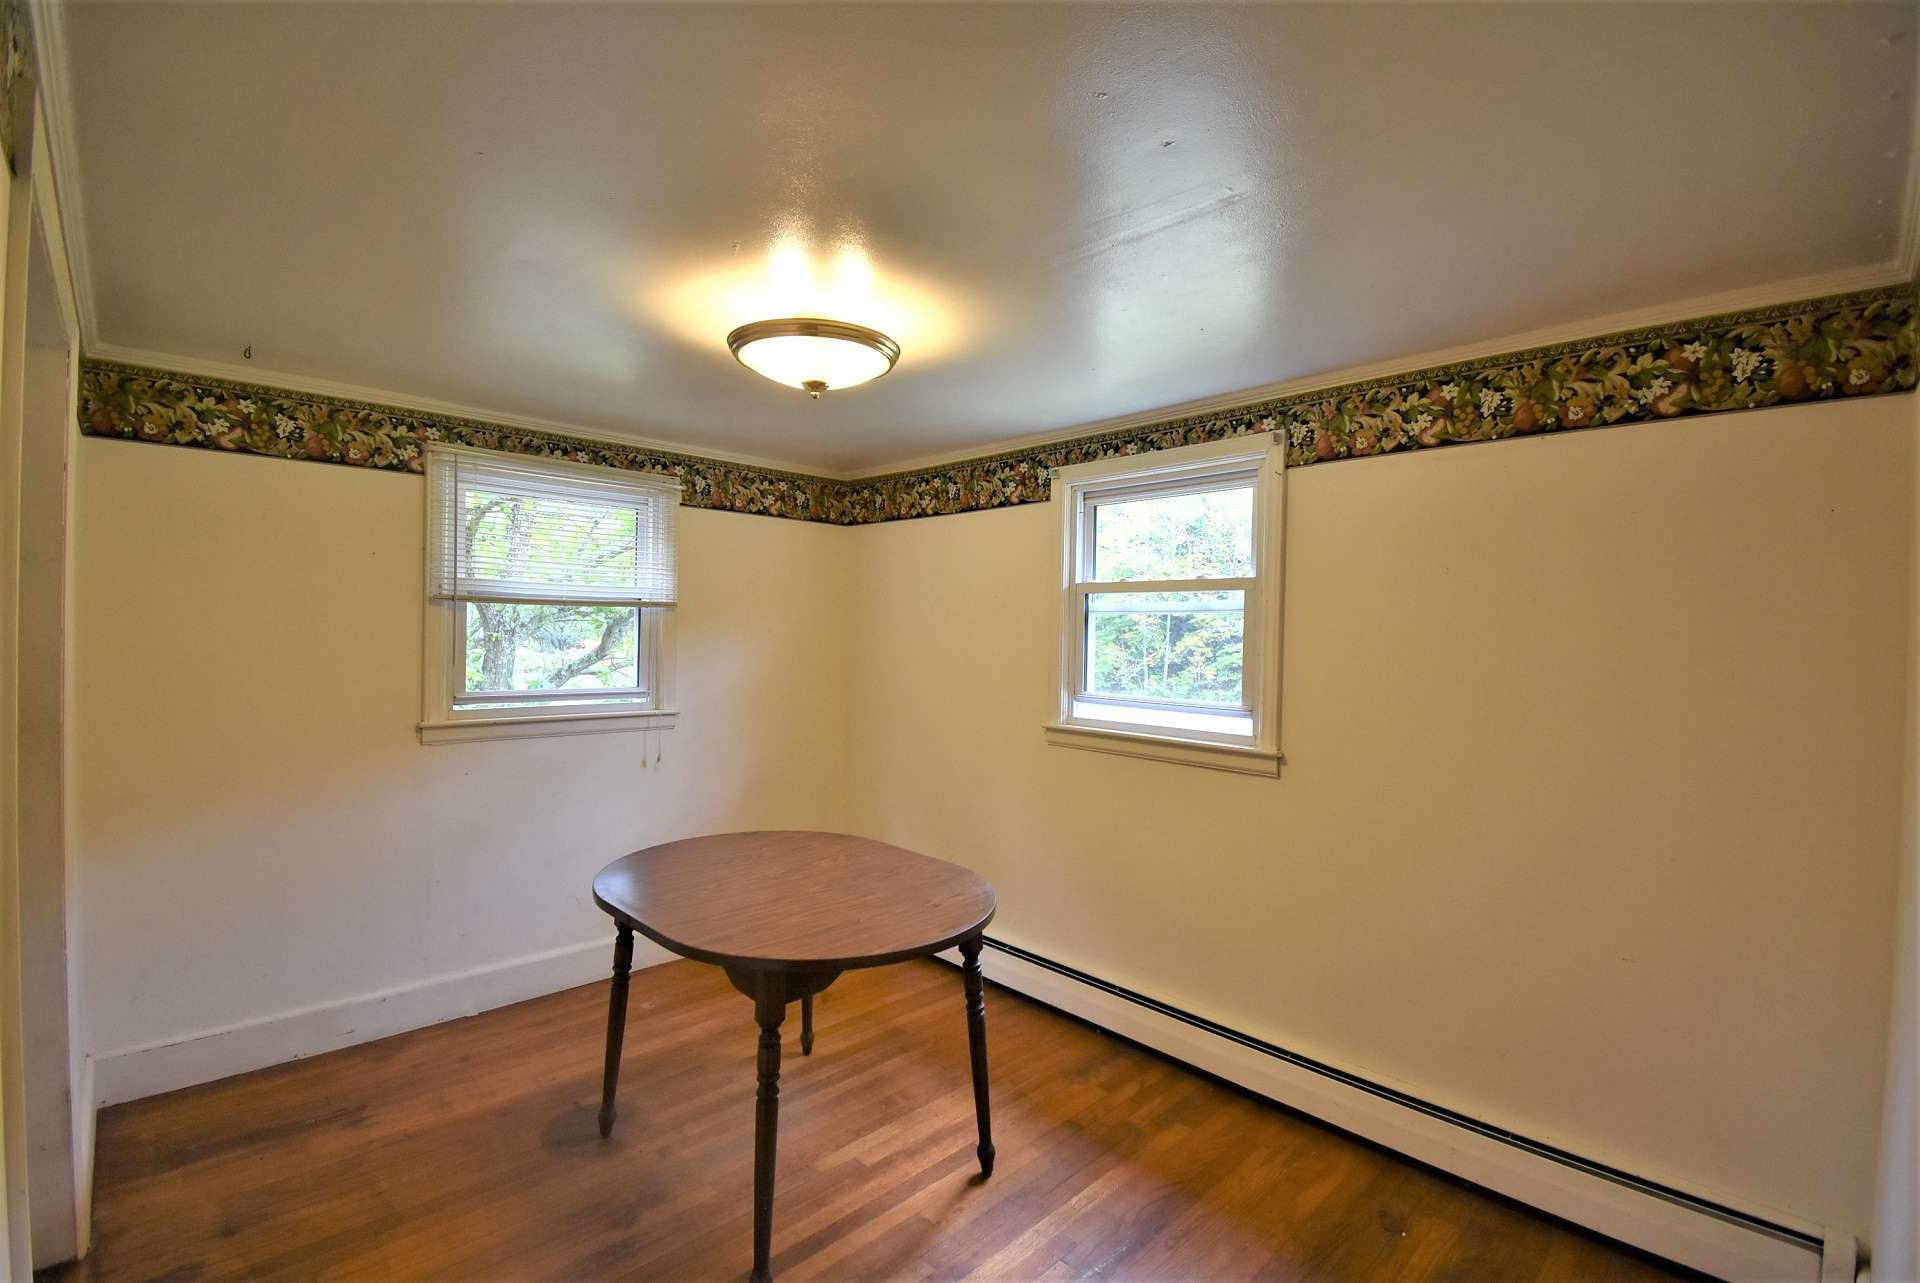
1169	619
548	584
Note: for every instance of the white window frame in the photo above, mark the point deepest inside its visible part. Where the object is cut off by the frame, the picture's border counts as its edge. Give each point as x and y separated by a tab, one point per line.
1102	723
522	714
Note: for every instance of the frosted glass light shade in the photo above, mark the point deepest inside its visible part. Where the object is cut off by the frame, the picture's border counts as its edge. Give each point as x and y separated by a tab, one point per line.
813	355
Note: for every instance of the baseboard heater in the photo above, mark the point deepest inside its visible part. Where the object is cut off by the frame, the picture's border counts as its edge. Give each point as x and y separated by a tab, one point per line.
1693	1231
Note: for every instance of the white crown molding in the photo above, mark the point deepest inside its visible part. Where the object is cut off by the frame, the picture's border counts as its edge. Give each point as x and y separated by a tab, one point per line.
56	110
1797	289
307	384
52	226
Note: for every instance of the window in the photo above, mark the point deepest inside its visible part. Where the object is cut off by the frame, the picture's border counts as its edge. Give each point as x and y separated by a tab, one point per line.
1169	641
548	583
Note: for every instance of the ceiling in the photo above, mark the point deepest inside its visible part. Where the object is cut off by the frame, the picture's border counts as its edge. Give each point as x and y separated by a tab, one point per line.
1063	214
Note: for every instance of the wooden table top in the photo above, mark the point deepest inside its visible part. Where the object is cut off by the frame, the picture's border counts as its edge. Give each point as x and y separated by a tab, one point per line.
789	900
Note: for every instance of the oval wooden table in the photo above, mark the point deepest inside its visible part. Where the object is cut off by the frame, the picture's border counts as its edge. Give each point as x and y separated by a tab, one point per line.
785	913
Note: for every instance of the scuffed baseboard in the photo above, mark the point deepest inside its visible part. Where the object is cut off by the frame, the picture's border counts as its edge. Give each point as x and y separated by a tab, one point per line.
1719	1240
168	1065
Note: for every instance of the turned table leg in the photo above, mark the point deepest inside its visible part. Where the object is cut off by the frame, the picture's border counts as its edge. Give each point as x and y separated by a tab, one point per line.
616	1022
977	1046
806	1025
770	1008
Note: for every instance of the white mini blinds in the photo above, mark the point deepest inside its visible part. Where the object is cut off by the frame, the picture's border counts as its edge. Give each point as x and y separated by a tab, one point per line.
547	531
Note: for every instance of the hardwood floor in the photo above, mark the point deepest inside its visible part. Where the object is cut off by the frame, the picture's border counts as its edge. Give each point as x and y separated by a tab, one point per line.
470	1151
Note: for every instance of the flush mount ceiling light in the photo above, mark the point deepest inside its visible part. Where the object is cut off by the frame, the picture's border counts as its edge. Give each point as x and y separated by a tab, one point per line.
813	355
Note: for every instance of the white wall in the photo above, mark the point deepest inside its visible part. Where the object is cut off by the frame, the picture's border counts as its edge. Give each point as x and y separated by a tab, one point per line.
1591	797
1896	1239
15	1229
262	840
47	911
79	1050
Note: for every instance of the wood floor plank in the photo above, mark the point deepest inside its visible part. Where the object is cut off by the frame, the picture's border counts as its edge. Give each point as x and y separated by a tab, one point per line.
468	1151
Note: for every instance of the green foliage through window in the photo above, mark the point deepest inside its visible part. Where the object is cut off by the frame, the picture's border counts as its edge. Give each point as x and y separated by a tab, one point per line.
518	647
1183	646
1184	536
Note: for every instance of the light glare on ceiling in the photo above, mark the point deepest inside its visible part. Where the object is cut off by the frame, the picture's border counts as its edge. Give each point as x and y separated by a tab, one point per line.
793	279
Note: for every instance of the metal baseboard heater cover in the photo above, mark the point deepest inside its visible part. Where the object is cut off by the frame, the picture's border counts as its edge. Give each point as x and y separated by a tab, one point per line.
1729	1242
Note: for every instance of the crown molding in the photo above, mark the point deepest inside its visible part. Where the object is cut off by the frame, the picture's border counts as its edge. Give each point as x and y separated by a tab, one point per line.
53	236
252	375
56	110
1794	290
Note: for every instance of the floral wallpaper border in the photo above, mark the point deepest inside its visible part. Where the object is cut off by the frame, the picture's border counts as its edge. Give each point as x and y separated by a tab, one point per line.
1848	345
144	404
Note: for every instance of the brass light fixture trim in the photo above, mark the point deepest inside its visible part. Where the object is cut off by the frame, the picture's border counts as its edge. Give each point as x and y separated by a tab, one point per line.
811	327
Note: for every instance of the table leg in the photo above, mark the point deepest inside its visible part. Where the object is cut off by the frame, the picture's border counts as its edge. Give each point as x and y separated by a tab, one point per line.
770	1008
977	1046
806	1025
616	1022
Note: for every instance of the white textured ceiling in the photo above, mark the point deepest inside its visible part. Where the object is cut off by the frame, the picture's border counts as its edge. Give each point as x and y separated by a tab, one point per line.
1062	214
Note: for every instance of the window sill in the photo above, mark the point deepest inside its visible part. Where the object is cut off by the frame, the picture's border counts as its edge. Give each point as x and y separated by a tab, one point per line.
1241	758
534	725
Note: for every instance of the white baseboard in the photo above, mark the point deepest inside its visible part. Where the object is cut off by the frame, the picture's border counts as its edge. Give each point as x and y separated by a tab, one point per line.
1724	1243
1719	1241
170	1064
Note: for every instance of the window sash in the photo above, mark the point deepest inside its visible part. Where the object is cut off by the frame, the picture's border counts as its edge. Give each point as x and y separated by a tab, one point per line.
1081	691
453	703
1090	500
463	696
1138	719
1148	701
1091	587
1215	466
571	695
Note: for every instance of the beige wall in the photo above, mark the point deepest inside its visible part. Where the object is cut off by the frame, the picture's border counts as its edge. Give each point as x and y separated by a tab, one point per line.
15	1236
47	912
1896	1237
1586	829
1588	821
259	829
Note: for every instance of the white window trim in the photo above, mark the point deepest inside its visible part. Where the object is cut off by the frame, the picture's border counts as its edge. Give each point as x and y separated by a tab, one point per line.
444	674
1255	754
